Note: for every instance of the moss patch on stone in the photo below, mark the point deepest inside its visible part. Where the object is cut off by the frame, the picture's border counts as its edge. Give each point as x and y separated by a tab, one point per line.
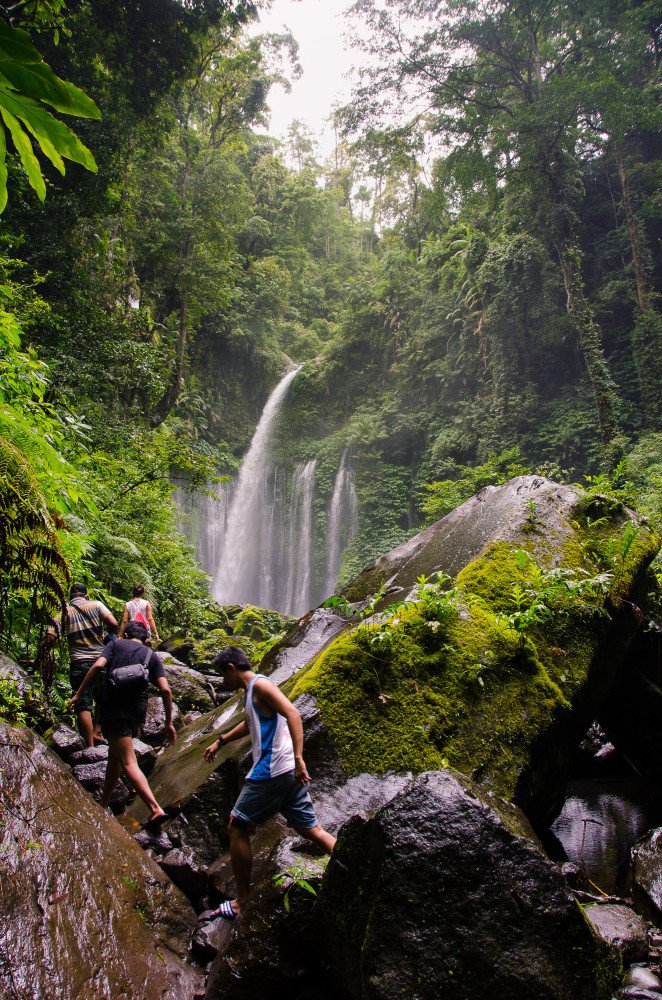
423	686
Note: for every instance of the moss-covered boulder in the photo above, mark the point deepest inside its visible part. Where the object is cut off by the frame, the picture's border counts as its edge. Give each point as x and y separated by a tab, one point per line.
498	672
206	649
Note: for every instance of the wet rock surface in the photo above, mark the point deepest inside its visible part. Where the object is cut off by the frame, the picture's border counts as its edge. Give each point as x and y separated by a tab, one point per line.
64	741
182	868
647	875
191	690
496	513
153	730
303	642
450	880
71	877
622	928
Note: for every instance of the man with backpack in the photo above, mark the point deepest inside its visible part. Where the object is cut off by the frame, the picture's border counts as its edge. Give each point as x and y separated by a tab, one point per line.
85	624
130	668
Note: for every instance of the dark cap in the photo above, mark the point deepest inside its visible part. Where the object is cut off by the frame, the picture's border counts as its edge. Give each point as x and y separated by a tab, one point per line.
78	589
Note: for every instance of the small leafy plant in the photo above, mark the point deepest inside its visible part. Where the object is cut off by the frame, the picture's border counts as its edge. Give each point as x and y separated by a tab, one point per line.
300	875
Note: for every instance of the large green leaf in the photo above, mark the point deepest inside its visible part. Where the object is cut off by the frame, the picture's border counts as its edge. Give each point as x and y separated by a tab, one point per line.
27	84
54	137
25	151
25	70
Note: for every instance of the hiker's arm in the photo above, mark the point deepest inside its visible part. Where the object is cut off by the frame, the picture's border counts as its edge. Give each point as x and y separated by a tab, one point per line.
125	618
166	697
150	619
88	679
272	697
235	734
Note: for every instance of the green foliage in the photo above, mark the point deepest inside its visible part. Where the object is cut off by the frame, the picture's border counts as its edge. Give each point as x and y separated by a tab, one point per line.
443	496
27	86
302	875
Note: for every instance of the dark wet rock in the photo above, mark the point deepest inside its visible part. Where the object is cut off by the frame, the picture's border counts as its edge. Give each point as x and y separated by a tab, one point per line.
643	978
64	741
209	937
451	880
204	820
637	993
183	868
647	875
497	513
190	717
171	641
269	950
72	878
622	928
91	777
158	842
302	643
182	651
89	755
153	730
574	875
190	689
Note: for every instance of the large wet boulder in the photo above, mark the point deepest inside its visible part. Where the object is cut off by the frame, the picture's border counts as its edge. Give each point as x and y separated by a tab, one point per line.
446	892
85	913
272	949
622	928
499	671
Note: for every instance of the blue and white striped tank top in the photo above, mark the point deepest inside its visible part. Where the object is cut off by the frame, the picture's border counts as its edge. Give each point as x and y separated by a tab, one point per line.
273	752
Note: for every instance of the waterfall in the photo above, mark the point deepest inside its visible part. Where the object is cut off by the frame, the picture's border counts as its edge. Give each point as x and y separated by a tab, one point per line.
266	556
343	520
257	537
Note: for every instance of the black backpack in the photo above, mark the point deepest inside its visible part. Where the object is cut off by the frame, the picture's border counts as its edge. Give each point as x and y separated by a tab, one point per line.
133	678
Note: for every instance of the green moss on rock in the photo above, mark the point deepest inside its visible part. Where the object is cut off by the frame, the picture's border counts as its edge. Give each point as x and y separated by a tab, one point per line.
414	689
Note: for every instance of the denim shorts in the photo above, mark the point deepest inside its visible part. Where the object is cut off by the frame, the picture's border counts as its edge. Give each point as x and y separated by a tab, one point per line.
88	698
259	800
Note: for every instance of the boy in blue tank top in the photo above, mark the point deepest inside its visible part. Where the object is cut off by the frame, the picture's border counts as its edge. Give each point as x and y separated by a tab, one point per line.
277	780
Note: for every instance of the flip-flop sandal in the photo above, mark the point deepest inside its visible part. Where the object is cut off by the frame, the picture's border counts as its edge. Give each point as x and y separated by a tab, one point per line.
224	910
154	824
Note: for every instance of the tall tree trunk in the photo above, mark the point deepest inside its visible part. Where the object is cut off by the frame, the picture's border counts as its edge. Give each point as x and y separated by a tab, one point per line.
647	328
171	394
603	388
639	269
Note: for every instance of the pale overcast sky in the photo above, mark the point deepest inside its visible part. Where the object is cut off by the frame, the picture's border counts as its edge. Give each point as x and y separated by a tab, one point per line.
325	55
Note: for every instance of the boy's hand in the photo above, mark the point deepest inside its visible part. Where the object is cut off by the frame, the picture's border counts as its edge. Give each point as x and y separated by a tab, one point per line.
300	773
212	750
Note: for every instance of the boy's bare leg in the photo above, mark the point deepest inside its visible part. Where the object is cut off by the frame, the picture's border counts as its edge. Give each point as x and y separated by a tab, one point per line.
86	727
319	836
241	854
121	756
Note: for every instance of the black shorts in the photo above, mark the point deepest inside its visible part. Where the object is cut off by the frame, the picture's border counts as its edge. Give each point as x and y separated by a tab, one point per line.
121	727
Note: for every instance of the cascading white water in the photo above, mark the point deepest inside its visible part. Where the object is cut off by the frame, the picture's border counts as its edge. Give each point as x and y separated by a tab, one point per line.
257	539
343	520
243	566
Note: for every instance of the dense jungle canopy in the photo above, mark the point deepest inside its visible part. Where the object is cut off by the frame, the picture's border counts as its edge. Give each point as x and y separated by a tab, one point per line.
473	279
